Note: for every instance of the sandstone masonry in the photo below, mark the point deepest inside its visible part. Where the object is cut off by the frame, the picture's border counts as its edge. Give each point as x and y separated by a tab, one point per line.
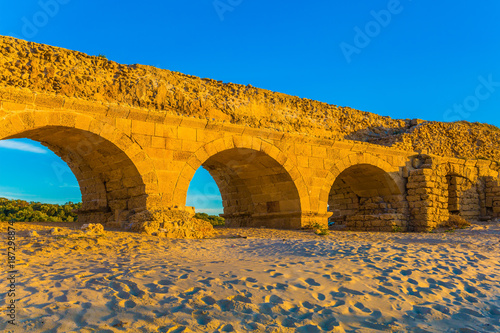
134	145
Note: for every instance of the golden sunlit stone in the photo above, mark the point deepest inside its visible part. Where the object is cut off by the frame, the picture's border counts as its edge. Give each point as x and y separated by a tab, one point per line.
135	135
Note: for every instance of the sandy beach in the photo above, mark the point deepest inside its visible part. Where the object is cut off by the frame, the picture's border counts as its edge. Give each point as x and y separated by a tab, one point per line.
259	280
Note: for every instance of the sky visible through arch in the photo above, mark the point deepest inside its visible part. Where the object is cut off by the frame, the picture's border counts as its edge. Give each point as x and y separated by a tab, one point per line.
403	59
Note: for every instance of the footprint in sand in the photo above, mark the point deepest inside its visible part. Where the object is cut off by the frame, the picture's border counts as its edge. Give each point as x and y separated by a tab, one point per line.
308	305
132	287
252	326
228	275
165	282
289	322
241	298
176	329
190	292
412	292
312	282
225	305
273	299
281	286
406	272
206	281
309	329
335	294
202	318
266	308
329	324
130	304
376	314
412	282
442	308
227	328
119	288
320	297
153	288
31	290
209	300
362	307
299	286
471	299
350	291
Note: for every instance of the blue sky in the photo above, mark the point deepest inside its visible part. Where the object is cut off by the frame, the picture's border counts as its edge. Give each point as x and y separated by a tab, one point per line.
405	59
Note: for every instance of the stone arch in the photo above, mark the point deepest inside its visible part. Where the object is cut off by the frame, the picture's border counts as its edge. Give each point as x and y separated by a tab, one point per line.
114	173
260	186
354	159
366	190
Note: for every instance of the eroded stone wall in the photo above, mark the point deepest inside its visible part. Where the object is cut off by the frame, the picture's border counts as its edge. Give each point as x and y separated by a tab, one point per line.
438	188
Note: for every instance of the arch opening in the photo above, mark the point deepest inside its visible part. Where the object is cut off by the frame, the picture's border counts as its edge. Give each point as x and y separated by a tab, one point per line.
365	197
256	190
465	198
203	194
32	173
111	186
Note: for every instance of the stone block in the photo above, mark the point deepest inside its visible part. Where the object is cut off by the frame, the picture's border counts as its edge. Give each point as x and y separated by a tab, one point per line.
118	204
13	106
118	112
45	101
138	114
142	127
143	140
158	142
316	162
186	133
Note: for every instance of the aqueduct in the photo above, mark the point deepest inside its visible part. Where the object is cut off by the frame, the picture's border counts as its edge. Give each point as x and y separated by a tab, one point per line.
129	158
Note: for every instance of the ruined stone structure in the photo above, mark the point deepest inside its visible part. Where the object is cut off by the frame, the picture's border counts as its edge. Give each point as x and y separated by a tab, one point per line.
129	136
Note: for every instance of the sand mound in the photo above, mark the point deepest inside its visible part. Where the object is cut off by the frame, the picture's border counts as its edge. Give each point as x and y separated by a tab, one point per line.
170	223
92	228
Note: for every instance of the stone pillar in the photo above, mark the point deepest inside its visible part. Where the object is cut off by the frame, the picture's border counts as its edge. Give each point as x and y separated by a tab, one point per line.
427	197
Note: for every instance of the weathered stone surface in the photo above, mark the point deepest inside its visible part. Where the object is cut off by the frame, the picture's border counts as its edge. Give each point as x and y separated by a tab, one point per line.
93	228
47	69
135	135
171	223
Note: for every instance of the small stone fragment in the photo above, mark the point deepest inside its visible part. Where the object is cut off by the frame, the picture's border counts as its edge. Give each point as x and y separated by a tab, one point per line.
93	228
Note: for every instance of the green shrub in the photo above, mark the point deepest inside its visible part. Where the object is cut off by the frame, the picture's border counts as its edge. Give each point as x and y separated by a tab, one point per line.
319	229
396	228
213	219
23	211
456	221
